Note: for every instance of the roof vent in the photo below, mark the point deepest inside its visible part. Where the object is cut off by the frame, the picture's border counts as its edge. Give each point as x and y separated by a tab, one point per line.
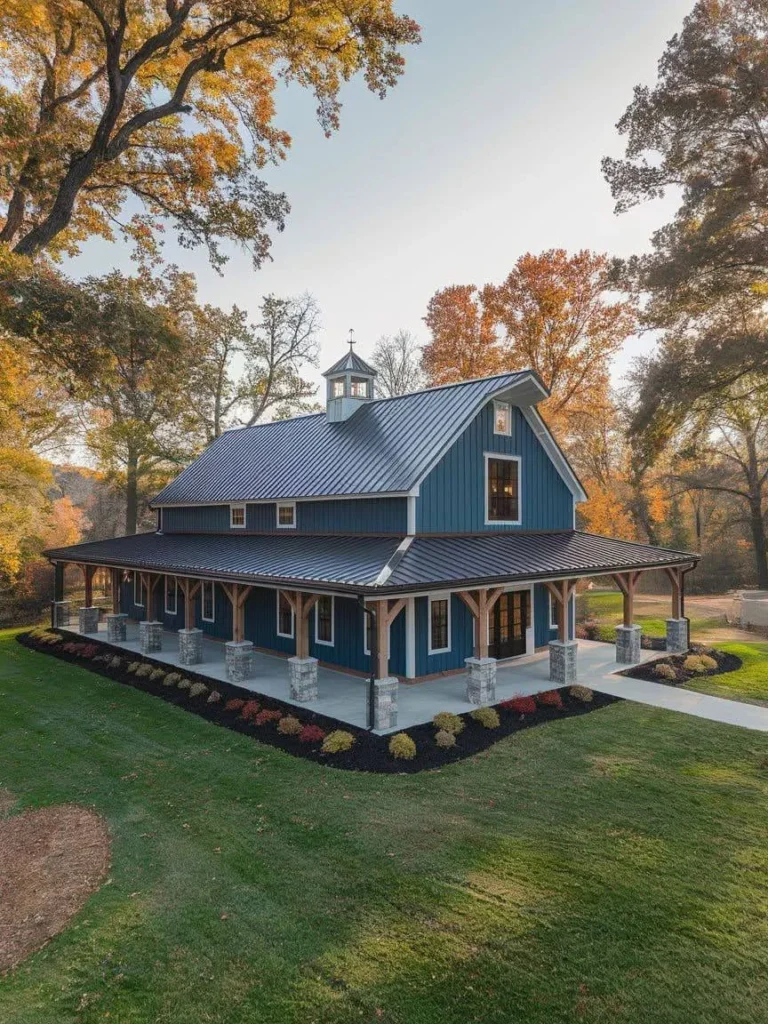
350	385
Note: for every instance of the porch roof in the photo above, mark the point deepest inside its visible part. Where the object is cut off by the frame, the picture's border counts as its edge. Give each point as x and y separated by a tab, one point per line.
379	565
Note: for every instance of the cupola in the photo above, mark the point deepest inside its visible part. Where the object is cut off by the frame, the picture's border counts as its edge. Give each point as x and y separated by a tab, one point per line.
350	385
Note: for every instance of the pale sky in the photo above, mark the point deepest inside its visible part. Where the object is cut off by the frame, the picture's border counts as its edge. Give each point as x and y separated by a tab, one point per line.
488	147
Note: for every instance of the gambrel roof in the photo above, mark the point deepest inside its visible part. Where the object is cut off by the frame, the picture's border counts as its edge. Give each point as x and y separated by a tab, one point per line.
386	448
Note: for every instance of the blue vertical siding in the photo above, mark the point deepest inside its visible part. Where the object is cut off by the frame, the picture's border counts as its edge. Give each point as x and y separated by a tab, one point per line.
356	515
461	638
452	496
542	631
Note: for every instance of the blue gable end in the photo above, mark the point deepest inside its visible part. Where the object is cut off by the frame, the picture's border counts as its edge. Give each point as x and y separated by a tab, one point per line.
452	495
361	515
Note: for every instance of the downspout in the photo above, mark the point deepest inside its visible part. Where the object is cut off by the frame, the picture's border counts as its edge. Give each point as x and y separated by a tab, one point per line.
683	574
373	657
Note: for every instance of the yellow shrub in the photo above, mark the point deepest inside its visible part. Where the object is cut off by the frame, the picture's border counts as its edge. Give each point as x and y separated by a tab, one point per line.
402	747
289	726
448	722
198	690
487	717
445	740
664	671
582	693
338	741
699	664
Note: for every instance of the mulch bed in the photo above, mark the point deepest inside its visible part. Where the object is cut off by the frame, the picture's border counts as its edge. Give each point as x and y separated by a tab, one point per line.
52	860
725	663
370	752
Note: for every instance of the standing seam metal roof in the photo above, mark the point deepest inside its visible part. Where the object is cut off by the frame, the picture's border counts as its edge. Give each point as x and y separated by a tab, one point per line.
384	448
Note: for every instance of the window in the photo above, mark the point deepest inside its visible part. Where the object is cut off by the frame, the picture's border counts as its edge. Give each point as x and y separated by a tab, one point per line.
285	623
324	620
237	517
171	595
502	418
208	607
439	624
337	388
552	613
286	515
359	387
502	487
369	635
138	591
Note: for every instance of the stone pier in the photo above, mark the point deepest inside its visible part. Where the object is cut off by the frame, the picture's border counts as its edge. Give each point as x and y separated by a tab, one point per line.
190	646
562	661
385	703
481	680
150	636
627	645
302	677
677	636
61	613
116	628
239	660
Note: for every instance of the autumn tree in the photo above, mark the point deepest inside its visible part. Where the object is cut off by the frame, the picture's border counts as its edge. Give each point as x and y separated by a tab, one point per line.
397	362
116	116
463	341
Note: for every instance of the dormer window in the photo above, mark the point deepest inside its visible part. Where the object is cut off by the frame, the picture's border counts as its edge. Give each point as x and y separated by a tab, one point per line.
286	515
237	517
502	418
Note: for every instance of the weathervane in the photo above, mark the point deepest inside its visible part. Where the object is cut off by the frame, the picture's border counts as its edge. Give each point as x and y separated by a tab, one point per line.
351	338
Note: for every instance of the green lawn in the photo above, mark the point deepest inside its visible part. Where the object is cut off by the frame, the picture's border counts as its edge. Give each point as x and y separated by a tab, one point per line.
607	608
749	683
610	868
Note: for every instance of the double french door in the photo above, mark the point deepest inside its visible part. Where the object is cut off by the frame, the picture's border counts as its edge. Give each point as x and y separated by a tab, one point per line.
507	624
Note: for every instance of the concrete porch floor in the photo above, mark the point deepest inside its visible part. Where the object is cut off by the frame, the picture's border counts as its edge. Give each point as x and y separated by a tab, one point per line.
344	696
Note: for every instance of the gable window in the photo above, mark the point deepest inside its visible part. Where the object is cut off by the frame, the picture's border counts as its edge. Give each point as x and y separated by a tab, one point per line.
286	515
285	622
324	620
171	595
439	624
208	608
138	590
237	517
502	418
502	489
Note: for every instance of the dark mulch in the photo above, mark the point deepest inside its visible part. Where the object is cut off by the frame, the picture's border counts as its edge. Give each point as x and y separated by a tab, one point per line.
725	663
591	631
370	752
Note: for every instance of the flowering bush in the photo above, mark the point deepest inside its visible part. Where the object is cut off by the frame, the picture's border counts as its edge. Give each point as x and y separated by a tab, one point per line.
289	726
487	717
249	710
520	705
448	722
588	630
311	734
236	704
444	740
267	715
550	699
402	747
338	741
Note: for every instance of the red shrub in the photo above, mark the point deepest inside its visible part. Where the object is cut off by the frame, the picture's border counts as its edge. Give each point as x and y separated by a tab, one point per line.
520	705
550	699
250	710
311	734
267	715
234	705
89	651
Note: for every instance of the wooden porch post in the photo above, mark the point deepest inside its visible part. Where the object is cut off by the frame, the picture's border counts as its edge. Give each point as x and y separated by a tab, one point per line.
481	606
386	613
238	595
561	591
189	589
627	582
115	581
88	573
675	576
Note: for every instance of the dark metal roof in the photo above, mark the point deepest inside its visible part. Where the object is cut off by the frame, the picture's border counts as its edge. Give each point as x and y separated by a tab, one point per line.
351	363
385	448
357	563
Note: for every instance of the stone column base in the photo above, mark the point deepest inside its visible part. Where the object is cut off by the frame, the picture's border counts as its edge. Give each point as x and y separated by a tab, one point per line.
150	636
385	703
677	636
61	613
190	646
302	677
116	627
562	661
481	680
627	645
239	660
88	620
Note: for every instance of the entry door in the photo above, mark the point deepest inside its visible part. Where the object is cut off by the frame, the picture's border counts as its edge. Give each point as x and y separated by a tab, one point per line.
507	625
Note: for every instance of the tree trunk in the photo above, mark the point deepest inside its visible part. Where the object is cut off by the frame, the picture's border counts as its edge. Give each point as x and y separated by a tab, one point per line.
757	526
131	493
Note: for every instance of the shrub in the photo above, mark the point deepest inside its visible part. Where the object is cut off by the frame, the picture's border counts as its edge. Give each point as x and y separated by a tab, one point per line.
664	671
338	741
267	715
171	679
198	689
444	740
236	704
249	710
115	662
588	630
448	722
214	697
133	667
699	664
89	651
709	662
311	734
143	671
581	693
550	699
289	726
487	717
402	747
184	684
157	674
520	705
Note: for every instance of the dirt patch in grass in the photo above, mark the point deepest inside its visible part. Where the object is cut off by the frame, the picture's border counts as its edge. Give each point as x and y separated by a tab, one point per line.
52	860
7	800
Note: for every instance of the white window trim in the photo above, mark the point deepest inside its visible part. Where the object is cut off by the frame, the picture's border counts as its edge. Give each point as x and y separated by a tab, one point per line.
552	612
285	504
237	526
496	407
366	650
430	648
175	610
137	582
292	634
210	584
507	458
332	641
